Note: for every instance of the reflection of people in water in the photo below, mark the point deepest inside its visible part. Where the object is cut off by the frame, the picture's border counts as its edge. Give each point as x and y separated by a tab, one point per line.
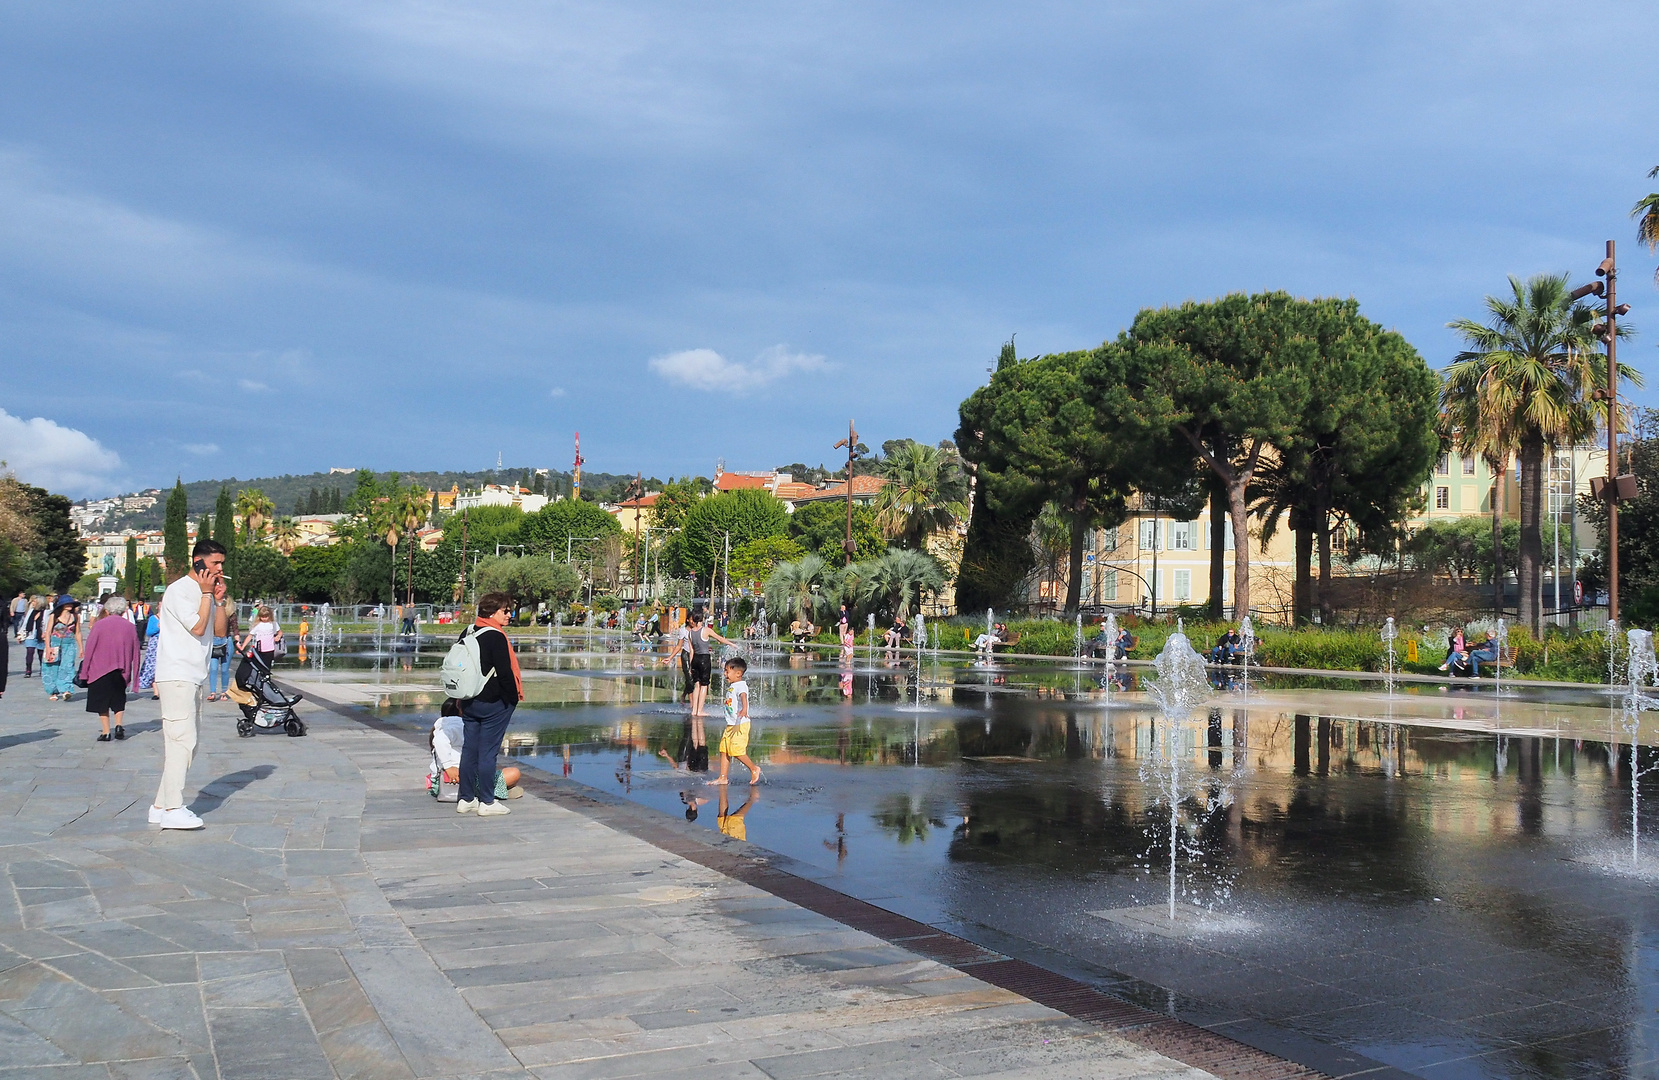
731	821
689	757
692	802
847	683
839	844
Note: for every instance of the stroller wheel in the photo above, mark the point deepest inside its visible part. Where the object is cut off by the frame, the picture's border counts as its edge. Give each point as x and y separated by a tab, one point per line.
295	727
244	728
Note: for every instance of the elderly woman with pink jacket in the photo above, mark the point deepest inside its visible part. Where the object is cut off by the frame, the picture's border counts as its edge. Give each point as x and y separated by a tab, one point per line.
109	667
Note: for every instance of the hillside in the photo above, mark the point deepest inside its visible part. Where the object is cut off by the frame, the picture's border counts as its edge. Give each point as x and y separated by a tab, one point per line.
287	489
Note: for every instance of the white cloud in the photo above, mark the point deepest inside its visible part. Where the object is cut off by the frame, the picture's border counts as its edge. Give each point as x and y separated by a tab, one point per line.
251	385
57	458
705	369
557	392
202	448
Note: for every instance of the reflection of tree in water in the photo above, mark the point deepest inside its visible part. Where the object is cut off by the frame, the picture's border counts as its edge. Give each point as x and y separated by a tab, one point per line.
1005	737
905	818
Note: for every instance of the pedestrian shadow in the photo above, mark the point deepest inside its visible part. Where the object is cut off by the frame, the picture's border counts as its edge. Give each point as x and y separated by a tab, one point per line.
142	726
215	792
9	741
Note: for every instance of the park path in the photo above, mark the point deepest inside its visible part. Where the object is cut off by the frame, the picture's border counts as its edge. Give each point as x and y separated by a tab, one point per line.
332	921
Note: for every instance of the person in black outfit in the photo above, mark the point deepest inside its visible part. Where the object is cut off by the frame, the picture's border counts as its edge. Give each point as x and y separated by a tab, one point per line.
486	716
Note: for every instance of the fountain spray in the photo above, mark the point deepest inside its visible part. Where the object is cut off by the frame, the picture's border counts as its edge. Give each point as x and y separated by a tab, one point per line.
1181	686
1247	646
1642	669
1111	631
1389	633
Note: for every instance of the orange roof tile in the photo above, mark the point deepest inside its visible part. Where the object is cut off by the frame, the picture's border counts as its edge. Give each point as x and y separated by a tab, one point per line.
730	481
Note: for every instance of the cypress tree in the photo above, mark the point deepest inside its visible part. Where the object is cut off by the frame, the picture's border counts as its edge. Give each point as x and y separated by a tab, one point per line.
130	571
175	533
224	519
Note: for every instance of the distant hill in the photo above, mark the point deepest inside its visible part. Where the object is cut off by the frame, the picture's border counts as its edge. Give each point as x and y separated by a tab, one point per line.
286	490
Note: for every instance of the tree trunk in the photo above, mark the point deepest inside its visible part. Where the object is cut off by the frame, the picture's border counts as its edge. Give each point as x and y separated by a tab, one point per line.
1074	582
1532	541
1302	602
1497	544
1235	478
1218	550
1322	529
1239	511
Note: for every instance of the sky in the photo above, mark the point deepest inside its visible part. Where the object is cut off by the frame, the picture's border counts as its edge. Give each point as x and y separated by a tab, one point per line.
277	237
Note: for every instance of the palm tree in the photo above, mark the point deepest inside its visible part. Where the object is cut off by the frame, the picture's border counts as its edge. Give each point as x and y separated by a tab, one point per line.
412	506
805	586
285	535
255	509
1523	386
899	577
926	493
1646	211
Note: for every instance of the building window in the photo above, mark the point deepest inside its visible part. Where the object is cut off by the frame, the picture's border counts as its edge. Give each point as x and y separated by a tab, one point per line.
1149	535
1468	464
1183	585
1442	498
1183	536
1109	584
1443	466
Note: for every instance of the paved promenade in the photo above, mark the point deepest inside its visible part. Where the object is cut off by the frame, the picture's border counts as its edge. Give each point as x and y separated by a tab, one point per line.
332	921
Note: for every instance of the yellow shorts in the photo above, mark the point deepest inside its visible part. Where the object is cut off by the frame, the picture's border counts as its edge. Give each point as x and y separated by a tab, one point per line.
732	825
734	741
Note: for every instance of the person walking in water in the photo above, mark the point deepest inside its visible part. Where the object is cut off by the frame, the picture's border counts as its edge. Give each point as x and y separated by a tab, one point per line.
734	741
192	614
702	662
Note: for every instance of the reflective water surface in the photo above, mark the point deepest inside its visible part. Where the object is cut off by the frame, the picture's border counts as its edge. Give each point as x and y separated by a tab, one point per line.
1442	880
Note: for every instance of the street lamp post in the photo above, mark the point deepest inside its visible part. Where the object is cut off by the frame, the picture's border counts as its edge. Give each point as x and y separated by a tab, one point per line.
1615	486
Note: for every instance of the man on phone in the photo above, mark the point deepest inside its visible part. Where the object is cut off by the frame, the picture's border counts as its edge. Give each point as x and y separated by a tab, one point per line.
192	615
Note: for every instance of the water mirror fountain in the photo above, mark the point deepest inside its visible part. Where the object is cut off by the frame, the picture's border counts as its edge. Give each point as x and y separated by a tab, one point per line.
1247	649
1256	831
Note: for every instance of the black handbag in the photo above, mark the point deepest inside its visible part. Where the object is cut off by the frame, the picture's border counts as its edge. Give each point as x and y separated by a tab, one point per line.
80	679
221	653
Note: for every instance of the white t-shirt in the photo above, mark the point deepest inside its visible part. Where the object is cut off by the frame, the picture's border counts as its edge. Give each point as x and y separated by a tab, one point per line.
734	692
447	736
180	655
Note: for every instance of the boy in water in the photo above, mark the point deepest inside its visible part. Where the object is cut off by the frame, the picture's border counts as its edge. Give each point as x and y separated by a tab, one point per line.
734	741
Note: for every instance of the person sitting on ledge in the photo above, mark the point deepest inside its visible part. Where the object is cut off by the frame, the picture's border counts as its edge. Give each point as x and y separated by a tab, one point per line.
802	631
897	634
1227	648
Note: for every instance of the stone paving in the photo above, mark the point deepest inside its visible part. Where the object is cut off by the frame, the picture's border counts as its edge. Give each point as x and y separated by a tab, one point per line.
331	920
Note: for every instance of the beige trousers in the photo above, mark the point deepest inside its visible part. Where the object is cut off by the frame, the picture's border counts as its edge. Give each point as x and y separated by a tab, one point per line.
181	712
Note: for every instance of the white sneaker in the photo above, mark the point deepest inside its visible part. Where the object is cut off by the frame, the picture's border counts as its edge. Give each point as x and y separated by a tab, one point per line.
466	806
181	818
493	809
155	814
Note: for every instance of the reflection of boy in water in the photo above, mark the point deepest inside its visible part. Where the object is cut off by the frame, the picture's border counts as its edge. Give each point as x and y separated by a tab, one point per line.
692	802
730	821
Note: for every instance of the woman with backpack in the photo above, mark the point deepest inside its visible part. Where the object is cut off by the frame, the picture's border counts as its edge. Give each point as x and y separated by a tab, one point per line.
487	702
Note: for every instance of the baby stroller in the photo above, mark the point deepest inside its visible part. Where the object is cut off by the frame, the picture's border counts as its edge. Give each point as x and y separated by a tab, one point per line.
264	707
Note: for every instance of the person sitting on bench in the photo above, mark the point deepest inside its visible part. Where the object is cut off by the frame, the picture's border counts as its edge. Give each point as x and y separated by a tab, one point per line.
897	634
1227	649
1487	651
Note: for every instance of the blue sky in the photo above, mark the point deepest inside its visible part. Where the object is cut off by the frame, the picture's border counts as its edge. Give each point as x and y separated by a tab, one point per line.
275	237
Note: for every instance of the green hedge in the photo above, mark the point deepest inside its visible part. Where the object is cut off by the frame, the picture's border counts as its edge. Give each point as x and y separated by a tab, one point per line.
1560	656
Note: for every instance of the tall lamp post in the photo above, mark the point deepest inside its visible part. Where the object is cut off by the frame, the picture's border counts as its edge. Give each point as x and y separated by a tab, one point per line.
1614	486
